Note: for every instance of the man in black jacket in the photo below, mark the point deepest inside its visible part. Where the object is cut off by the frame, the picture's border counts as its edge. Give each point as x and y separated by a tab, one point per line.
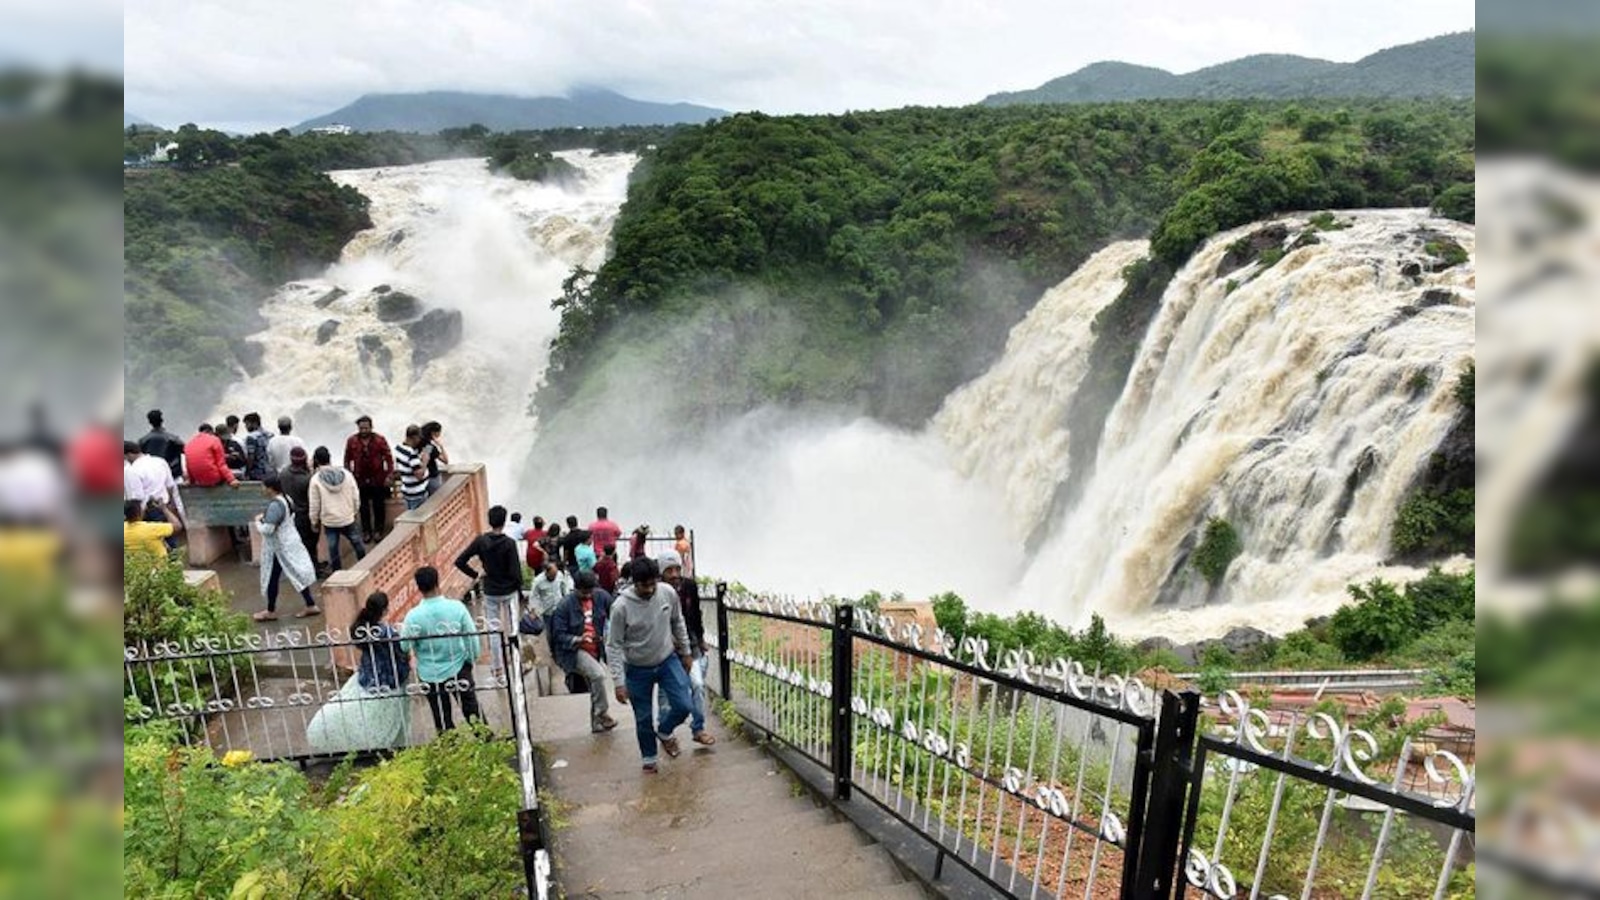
502	578
163	443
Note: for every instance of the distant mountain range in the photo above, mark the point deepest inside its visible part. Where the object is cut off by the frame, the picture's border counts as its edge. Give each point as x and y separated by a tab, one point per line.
1437	67
129	118
433	111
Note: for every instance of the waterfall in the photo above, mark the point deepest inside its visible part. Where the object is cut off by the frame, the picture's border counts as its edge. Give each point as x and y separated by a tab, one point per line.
1008	428
1298	401
459	239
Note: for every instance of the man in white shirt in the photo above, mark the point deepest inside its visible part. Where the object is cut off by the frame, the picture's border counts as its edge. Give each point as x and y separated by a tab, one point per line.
148	478
283	444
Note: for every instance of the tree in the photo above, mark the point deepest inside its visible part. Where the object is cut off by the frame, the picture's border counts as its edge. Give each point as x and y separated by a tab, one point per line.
1381	621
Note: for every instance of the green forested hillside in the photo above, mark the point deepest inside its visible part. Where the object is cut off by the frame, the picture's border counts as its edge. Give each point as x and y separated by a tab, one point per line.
879	259
1442	66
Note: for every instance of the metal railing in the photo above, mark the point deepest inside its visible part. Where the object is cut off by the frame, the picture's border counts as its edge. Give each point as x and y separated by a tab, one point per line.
285	697
1047	780
1289	809
1035	779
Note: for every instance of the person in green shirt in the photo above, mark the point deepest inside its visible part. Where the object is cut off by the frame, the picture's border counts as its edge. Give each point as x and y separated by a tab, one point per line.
440	632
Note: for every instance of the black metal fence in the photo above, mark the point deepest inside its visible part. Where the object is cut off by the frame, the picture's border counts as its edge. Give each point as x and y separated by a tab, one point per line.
1044	779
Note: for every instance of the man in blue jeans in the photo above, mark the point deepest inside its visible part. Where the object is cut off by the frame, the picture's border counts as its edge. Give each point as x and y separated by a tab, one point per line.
648	646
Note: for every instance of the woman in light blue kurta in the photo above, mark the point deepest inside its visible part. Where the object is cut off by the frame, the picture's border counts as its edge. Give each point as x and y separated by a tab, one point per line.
372	711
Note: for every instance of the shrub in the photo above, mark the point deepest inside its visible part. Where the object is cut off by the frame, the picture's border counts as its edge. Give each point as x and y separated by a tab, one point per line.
434	821
1440	598
1458	201
1218	548
1381	621
1435	523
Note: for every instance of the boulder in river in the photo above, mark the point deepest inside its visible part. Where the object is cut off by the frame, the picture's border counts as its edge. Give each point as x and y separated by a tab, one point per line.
371	351
326	300
326	331
433	335
398	306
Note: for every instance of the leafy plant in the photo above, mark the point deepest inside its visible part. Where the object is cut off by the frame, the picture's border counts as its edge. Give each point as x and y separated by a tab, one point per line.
1381	621
1219	547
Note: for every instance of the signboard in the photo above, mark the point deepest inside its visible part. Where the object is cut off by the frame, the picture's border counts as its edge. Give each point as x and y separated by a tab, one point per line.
208	506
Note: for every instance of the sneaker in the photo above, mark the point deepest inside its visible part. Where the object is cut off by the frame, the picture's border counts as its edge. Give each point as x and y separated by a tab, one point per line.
650	768
605	723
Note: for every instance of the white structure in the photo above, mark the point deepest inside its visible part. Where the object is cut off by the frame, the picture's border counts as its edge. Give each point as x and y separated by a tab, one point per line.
335	128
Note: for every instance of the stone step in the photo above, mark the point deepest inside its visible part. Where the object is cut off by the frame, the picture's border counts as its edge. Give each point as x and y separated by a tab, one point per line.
822	873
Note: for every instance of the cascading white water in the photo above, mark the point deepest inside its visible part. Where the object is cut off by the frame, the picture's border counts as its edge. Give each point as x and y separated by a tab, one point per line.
1008	427
1253	397
458	238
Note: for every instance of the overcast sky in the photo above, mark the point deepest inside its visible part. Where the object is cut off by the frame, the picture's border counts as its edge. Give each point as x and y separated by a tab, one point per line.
249	65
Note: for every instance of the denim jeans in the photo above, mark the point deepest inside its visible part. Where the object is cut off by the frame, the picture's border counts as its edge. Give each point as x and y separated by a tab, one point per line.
641	684
351	533
414	502
697	694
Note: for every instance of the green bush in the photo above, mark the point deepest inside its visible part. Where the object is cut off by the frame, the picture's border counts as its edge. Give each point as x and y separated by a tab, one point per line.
1380	621
1440	598
1218	548
1458	201
434	821
159	606
1432	523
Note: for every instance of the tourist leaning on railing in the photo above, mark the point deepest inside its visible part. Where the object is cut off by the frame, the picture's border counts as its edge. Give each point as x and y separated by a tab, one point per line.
440	631
371	711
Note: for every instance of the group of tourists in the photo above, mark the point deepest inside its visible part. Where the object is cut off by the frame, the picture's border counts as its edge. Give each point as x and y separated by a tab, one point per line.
644	634
304	489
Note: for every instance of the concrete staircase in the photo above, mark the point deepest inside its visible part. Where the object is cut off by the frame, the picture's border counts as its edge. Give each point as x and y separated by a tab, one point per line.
719	822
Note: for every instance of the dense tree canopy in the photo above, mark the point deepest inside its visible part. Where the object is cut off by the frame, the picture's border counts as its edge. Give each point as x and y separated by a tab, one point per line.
879	259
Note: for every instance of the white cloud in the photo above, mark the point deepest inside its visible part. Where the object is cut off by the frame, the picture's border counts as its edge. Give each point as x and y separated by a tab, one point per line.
264	64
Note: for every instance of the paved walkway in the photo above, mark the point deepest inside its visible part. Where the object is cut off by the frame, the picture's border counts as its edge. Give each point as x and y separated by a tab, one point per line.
717	822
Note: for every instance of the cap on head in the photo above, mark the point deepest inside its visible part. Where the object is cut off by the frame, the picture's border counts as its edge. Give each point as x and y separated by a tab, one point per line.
669	560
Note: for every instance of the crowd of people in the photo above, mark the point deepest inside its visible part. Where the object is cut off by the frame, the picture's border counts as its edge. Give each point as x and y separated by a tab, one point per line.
595	606
643	633
339	504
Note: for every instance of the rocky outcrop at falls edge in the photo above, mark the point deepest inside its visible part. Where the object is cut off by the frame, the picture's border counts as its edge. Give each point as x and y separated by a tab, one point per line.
1239	641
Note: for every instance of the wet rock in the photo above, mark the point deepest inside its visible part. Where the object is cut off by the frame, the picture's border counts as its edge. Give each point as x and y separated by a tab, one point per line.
398	306
433	335
1240	641
326	300
372	352
382	289
1366	463
251	355
326	331
1247	250
1306	239
1183	652
396	239
1437	297
1412	270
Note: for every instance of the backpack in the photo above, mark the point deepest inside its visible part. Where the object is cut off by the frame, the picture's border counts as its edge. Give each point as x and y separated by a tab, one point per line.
255	446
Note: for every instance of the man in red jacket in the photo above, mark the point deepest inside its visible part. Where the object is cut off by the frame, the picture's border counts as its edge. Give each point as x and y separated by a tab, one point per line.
367	456
206	462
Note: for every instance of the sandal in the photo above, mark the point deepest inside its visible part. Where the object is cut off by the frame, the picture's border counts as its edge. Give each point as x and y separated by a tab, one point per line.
704	738
650	768
308	612
265	616
669	746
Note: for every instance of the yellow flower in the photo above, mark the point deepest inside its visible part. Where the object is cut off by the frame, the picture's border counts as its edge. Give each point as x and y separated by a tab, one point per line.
237	758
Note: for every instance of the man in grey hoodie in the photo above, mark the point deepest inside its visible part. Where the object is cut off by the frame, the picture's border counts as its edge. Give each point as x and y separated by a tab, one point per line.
648	646
335	503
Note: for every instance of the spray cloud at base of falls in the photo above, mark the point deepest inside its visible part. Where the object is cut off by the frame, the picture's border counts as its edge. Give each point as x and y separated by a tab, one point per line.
457	238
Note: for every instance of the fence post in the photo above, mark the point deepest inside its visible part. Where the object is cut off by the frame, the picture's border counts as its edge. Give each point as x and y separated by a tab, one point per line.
841	731
724	668
1153	873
